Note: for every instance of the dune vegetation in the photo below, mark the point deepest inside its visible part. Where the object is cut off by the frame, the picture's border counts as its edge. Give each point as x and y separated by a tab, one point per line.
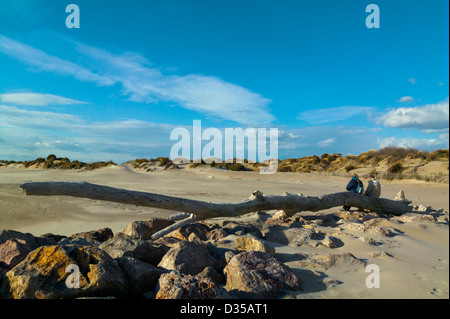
58	163
387	163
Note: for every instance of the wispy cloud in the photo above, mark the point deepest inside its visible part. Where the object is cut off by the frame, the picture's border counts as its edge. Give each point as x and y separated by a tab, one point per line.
36	99
404	99
334	114
143	82
430	116
45	62
412	80
30	133
205	94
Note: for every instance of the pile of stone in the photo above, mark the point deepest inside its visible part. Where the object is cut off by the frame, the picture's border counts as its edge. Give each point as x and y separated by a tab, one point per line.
196	261
129	264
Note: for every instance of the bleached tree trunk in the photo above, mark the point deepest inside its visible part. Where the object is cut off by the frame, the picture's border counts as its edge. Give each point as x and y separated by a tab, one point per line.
290	203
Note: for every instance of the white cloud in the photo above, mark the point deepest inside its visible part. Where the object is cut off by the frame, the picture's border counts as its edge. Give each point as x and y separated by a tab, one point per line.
326	142
36	99
205	94
418	143
406	99
44	62
142	82
30	134
334	114
430	116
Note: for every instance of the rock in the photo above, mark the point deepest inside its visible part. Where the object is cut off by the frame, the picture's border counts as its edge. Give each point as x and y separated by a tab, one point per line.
280	215
384	230
56	238
253	244
78	241
100	235
175	285
211	273
141	277
356	226
288	222
12	252
324	262
183	233
293	237
216	234
143	250
414	217
422	208
372	225
144	229
332	242
229	255
331	283
187	257
42	274
379	254
254	274
234	227
369	241
33	242
442	219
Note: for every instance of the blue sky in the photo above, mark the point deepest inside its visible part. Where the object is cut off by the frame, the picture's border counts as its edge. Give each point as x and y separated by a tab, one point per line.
116	87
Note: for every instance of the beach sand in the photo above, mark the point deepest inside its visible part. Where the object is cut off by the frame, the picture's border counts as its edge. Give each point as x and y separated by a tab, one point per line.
415	264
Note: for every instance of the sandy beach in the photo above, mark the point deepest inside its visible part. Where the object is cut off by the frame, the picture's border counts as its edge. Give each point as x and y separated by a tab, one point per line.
413	263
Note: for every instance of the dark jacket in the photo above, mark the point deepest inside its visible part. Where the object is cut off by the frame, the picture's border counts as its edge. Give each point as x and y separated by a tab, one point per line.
353	184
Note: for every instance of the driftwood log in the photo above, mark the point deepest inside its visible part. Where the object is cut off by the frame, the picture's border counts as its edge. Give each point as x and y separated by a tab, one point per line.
290	203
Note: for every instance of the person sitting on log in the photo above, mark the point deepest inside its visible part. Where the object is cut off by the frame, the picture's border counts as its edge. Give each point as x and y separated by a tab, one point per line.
373	187
356	186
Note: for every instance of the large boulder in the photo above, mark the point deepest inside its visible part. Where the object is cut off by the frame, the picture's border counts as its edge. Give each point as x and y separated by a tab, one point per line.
144	229
175	285
142	277
100	235
44	272
32	241
12	252
189	257
144	250
253	244
254	274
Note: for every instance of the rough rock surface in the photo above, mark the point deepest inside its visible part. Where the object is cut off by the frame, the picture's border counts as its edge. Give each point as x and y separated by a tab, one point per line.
253	244
100	235
12	252
32	241
188	257
316	261
142	277
144	250
42	274
144	229
175	285
254	274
